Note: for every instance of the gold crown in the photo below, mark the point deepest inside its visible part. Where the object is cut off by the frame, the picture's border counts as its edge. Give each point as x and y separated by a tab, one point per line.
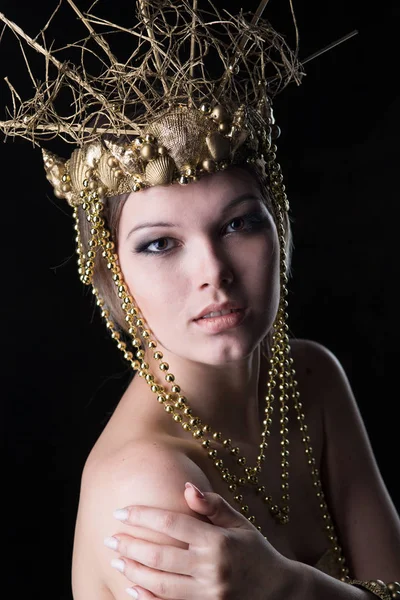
178	146
195	96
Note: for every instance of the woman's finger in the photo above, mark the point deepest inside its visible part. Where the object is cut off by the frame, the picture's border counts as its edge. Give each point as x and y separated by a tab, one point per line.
139	593
161	584
156	556
176	525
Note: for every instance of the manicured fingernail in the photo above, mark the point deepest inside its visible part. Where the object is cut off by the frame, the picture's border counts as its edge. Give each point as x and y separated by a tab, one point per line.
132	592
198	492
118	564
121	514
111	542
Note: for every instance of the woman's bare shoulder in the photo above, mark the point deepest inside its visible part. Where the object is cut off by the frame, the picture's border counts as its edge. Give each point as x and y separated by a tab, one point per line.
311	354
318	369
150	472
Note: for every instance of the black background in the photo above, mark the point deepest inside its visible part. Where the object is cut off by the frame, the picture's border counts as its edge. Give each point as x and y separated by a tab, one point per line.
62	374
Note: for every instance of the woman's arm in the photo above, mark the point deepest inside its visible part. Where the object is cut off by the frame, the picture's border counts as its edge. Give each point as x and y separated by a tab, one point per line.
144	473
311	584
366	519
243	566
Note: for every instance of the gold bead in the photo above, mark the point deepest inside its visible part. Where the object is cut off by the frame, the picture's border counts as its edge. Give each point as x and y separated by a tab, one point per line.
205	109
275	132
148	151
197	433
209	165
112	162
224	127
393	586
219	113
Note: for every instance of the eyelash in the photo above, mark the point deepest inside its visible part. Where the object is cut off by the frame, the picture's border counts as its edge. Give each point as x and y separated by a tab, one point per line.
256	222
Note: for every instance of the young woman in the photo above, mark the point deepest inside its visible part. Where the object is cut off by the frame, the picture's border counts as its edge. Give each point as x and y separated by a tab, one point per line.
236	463
186	253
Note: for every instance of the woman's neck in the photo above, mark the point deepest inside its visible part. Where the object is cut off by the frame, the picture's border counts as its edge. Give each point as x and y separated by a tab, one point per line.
230	398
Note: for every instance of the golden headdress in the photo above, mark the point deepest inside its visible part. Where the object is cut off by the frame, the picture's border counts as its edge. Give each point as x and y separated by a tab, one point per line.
193	96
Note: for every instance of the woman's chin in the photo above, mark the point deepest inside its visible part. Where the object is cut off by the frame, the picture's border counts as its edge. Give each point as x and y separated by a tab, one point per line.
221	352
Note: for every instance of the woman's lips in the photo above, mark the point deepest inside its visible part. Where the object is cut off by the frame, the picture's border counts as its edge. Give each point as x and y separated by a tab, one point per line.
217	324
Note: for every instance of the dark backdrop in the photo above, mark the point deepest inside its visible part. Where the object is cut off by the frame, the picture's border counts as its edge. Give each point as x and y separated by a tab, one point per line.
62	374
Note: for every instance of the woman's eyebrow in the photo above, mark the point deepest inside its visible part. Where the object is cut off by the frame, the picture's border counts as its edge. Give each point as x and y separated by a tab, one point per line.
239	200
150	224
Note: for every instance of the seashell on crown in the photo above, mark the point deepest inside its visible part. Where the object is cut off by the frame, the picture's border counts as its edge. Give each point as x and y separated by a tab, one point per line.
178	146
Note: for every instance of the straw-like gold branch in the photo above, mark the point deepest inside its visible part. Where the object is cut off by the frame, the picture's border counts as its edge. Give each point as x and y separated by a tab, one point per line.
169	49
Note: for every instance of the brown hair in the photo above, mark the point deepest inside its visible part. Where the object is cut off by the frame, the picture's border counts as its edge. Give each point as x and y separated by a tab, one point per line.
113	206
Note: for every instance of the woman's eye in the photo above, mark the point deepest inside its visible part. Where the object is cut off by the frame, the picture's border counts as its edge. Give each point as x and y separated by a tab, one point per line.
247	223
237	224
157	246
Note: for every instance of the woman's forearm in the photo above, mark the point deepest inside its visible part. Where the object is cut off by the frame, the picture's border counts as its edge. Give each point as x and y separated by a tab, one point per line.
309	583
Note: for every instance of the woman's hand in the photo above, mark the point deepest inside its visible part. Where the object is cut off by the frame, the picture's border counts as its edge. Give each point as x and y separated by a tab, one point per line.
226	559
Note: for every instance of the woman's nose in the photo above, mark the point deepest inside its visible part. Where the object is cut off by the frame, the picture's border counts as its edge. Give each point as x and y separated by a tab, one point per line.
213	267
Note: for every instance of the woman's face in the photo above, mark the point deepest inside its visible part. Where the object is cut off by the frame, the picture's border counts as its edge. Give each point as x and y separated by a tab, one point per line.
183	248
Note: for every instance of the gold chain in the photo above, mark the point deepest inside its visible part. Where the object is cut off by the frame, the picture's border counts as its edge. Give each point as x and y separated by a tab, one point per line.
174	403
